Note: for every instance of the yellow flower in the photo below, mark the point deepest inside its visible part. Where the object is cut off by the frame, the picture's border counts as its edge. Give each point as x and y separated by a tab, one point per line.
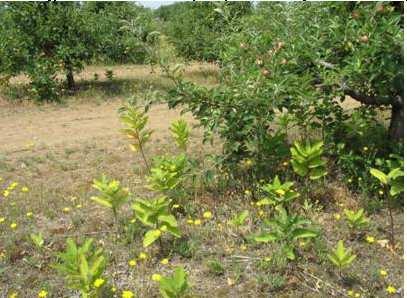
132	263
197	222
370	239
24	189
13	185
113	289
190	221
391	290
163	229
164	261
66	209
156	277
350	293
13	225
247	192
360	179
2	219
42	294
143	256
29	214
337	216
243	247
365	148
261	213
349	180
267	259
127	294
357	295
381	192
383	272
207	215
175	206
99	282
285	163
6	193
13	295
79	206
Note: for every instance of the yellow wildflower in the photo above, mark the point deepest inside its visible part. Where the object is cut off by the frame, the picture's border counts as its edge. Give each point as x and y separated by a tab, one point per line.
197	222
349	180
391	290
13	185
13	225
113	289
365	148
29	214
207	215
383	272
66	209
164	261
175	206
24	189
127	294
79	206
42	294
285	163
357	295
2	219
381	192
6	193
190	221
243	247
337	216
13	295
132	263
247	192
133	221
143	256
261	213
163	228
370	239
267	259
156	277
350	293
98	282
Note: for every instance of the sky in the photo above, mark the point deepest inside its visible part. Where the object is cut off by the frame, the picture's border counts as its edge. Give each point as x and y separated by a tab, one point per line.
155	4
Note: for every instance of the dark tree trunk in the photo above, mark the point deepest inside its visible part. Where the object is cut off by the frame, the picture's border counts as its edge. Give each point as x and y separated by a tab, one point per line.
396	129
70	82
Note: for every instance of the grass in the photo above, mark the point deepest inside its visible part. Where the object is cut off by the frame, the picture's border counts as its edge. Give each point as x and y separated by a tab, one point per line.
220	259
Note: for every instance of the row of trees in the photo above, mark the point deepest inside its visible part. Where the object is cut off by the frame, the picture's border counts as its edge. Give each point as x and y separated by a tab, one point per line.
45	39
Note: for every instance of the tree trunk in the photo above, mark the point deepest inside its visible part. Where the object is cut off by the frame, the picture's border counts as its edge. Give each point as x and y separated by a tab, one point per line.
396	129
70	82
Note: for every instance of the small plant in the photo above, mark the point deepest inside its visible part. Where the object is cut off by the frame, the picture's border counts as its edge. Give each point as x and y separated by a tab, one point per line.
37	239
356	219
95	76
174	286
155	215
240	218
111	195
109	74
306	159
135	122
278	193
216	267
81	266
287	229
393	185
341	257
180	132
167	173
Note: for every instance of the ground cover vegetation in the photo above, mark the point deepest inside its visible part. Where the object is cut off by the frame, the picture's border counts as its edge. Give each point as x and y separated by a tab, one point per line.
283	176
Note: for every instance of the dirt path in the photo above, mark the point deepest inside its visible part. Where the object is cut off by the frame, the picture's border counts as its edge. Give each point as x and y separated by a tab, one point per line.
71	125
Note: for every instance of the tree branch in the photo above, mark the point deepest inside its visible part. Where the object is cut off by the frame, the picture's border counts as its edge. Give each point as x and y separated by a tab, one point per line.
369	100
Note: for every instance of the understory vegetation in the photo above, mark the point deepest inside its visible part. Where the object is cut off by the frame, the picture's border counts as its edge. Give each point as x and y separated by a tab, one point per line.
281	175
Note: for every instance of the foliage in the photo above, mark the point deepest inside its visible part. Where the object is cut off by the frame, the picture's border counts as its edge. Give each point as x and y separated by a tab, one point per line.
195	28
167	173
135	122
111	194
286	229
180	133
240	218
356	219
81	265
175	285
155	215
341	257
278	193
306	159
394	180
37	239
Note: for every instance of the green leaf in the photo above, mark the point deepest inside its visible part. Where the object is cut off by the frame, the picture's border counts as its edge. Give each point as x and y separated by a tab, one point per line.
150	237
379	175
265	238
